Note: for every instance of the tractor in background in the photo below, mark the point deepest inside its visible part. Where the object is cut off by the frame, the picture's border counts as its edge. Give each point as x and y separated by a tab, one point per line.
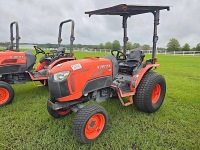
17	67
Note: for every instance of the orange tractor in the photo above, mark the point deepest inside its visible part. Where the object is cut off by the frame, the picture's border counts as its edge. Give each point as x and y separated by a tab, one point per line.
123	75
17	67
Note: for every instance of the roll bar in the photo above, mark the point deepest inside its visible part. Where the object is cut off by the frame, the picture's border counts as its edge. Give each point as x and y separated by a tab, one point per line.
72	38
16	36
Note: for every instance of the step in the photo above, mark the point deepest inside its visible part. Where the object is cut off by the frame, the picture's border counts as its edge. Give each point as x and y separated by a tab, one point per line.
38	75
125	89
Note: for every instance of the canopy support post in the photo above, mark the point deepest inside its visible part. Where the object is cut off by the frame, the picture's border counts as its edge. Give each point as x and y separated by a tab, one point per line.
155	36
125	39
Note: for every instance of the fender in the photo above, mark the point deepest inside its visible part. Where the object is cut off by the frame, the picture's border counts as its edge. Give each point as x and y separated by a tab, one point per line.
137	78
59	61
41	65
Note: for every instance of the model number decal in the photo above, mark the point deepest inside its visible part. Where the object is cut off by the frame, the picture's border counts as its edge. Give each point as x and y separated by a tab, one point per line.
76	66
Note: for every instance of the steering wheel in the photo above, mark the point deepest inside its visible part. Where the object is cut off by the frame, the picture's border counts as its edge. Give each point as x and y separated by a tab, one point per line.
38	50
118	55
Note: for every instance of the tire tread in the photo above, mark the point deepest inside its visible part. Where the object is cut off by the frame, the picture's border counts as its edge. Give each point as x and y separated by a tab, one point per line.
81	119
142	98
10	90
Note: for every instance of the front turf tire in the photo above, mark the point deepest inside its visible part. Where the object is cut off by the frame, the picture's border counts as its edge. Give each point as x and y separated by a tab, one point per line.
89	123
150	92
58	113
6	93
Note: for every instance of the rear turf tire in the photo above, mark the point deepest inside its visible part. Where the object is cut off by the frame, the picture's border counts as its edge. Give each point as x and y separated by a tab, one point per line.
150	92
89	123
6	93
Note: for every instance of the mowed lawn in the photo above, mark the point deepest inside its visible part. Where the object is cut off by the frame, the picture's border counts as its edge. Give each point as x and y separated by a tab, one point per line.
26	124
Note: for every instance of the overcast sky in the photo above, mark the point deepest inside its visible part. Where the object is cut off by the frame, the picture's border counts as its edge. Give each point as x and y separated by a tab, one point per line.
39	20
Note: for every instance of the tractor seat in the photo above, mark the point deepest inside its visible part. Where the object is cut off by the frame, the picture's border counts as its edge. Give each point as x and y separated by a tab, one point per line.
30	60
58	54
60	51
10	47
134	59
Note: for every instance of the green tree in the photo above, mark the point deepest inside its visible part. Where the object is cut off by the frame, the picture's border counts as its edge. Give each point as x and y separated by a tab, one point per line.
108	45
193	49
135	45
116	45
128	45
173	45
101	46
145	47
79	46
186	47
197	47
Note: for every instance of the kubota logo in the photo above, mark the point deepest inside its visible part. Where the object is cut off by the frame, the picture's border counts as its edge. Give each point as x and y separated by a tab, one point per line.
16	57
103	66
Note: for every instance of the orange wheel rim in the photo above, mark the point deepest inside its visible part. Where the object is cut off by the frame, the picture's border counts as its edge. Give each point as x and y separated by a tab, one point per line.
156	93
63	112
4	95
94	126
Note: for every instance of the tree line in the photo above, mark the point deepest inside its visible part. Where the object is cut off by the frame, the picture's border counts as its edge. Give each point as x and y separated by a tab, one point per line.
108	45
115	45
172	45
54	46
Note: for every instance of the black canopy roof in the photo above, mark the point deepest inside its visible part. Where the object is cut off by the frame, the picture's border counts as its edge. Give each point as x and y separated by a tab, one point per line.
128	10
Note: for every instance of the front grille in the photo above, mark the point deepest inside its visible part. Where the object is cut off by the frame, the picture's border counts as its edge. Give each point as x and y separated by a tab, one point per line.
57	89
98	83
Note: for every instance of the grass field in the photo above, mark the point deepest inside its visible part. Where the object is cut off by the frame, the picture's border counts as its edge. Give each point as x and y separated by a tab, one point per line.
26	124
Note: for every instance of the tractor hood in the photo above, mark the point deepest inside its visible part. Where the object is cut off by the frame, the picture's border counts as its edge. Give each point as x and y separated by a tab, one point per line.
69	80
88	66
11	57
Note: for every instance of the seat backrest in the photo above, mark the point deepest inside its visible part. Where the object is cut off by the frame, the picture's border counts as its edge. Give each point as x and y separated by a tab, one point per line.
60	51
135	56
10	47
30	60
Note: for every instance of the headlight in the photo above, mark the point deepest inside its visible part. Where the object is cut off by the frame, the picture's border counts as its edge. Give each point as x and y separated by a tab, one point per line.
60	76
